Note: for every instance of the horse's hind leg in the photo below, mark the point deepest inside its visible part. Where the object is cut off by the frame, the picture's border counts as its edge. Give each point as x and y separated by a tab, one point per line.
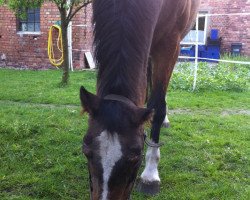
164	57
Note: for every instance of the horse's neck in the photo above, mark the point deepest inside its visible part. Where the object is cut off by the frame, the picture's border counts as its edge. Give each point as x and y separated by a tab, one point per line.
123	34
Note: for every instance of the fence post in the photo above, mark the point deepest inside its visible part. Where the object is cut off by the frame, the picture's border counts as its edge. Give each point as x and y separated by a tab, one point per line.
196	52
70	40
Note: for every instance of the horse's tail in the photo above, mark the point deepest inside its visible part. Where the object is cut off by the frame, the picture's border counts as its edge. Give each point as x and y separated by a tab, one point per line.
149	78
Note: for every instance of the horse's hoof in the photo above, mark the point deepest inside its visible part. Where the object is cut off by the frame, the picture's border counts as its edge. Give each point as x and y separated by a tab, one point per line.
166	124
148	188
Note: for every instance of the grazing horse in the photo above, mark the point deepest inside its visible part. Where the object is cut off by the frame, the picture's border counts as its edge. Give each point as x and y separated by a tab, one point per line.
129	36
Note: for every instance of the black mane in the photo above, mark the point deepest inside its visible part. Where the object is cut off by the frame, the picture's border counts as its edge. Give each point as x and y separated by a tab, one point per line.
121	45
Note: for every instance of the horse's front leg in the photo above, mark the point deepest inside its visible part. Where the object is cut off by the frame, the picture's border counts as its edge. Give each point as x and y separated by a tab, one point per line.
164	59
150	180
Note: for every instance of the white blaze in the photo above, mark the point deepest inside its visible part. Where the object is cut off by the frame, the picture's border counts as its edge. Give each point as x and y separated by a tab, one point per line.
110	153
150	172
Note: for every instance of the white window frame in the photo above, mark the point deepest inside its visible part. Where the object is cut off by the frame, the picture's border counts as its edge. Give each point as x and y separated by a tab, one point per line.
21	32
188	41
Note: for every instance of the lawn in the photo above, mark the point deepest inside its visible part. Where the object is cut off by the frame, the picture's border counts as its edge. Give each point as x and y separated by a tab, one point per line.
206	153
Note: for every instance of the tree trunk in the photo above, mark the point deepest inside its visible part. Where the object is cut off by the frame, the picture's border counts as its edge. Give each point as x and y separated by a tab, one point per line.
65	67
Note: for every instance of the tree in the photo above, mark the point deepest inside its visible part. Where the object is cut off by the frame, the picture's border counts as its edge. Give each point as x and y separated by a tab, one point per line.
67	9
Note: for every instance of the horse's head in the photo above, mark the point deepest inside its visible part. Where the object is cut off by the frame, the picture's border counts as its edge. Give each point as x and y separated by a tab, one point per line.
113	145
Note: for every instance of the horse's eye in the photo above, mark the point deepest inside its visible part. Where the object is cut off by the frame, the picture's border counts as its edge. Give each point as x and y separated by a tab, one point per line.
87	151
136	151
134	154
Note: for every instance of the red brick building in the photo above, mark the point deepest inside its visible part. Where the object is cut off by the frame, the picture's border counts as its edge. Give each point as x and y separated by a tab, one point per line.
20	47
234	27
26	46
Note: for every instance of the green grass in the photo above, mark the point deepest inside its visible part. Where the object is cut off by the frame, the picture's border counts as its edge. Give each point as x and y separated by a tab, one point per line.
41	153
206	153
43	86
212	77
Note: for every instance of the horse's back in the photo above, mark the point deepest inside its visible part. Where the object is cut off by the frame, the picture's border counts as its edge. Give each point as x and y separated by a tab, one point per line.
176	17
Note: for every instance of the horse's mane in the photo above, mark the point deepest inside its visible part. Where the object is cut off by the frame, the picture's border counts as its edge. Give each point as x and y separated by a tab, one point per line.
120	44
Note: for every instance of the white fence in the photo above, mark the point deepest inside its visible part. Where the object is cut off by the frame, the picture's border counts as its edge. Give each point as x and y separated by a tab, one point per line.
196	43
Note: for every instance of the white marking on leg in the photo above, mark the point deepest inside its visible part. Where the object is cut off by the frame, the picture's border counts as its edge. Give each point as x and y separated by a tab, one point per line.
150	172
110	153
166	122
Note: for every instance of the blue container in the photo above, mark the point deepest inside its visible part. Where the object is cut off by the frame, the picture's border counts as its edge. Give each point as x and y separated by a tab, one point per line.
188	51
210	54
236	49
213	47
202	48
214	34
204	54
185	51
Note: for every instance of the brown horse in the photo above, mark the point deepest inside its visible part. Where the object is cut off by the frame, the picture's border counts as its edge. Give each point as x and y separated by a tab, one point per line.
128	35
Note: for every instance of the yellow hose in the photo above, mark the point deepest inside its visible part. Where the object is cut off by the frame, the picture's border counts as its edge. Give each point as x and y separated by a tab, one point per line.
53	60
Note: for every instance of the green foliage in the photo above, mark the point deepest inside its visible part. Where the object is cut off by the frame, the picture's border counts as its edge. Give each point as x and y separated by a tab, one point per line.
16	5
20	6
222	76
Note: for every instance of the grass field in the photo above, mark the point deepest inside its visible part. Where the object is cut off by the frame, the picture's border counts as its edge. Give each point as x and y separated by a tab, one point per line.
206	153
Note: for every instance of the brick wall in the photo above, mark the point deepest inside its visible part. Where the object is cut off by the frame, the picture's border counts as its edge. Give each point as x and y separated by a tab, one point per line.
29	50
82	36
232	29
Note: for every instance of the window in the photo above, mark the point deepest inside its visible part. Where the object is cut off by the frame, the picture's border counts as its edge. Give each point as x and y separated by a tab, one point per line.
32	21
202	32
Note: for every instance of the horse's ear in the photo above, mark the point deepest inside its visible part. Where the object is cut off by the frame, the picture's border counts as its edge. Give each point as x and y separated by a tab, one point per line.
142	115
90	102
